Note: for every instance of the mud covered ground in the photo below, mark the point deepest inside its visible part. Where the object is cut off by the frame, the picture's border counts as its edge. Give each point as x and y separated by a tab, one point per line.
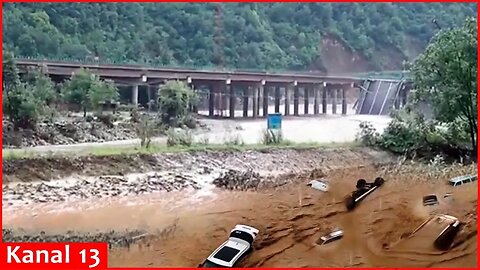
181	227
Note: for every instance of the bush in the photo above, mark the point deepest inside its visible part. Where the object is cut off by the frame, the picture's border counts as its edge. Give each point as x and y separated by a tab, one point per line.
174	100
270	137
189	121
145	128
179	137
409	134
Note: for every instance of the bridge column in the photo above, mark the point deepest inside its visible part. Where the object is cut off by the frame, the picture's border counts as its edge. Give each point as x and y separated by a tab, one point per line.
232	100
246	92
316	98
324	98
255	105
287	100
344	101
295	100
265	100
277	99
135	94
211	101
334	100
306	102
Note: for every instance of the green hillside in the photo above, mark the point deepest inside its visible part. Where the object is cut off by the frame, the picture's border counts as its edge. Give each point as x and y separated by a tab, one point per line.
251	35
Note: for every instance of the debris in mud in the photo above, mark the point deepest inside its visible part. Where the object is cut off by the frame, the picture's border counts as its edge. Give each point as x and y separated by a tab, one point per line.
247	180
104	186
113	238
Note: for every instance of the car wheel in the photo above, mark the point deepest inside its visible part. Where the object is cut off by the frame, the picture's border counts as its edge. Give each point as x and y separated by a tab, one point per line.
378	181
361	183
350	203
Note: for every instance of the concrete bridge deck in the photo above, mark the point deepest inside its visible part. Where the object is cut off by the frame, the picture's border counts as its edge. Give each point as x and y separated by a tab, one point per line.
224	90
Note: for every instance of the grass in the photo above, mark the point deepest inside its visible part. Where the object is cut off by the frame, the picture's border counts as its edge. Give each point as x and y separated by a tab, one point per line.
13	154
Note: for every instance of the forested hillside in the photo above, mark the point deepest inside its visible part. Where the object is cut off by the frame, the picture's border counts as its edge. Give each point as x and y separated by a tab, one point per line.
301	36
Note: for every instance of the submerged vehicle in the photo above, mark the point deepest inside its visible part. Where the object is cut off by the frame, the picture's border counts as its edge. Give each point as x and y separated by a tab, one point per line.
319	184
445	228
430	200
333	236
460	180
363	190
238	245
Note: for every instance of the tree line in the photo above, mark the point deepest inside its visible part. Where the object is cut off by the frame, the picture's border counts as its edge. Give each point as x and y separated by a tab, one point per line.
247	35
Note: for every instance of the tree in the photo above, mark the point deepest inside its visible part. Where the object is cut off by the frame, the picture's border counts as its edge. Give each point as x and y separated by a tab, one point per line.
24	102
88	91
174	99
446	76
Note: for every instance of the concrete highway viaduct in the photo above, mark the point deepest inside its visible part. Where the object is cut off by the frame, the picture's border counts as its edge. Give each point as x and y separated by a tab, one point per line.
222	93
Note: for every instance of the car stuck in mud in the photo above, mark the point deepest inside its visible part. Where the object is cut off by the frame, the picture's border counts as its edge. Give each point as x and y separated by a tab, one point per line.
238	245
363	190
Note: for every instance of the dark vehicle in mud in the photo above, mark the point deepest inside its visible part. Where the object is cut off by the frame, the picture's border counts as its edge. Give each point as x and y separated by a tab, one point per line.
237	247
446	228
430	200
363	190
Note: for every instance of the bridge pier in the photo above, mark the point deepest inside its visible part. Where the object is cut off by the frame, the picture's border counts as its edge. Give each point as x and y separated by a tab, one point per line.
232	101
135	94
211	101
334	101
287	99
344	101
265	101
324	99
246	92
295	100
306	101
256	90
277	99
316	94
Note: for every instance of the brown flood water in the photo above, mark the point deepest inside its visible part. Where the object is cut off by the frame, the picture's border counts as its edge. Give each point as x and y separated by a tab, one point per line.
290	220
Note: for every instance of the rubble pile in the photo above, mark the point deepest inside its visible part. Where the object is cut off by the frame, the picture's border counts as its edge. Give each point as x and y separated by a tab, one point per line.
103	186
113	238
246	181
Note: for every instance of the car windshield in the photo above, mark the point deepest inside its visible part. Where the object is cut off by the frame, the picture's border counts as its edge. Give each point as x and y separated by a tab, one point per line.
242	235
226	254
209	264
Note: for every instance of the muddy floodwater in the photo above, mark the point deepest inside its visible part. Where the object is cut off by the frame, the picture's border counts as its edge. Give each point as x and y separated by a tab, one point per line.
184	225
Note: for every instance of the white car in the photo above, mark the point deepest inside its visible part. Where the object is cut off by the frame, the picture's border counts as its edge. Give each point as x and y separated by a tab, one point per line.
319	184
238	245
333	236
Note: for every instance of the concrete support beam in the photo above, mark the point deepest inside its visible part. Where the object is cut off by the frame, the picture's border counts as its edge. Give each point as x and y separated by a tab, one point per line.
295	100
231	94
135	94
344	101
277	99
211	101
316	101
334	101
246	92
306	97
324	99
256	89
265	100
287	100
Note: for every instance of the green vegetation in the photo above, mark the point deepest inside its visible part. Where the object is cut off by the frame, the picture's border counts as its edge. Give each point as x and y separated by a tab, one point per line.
88	91
445	77
250	36
25	101
13	154
174	100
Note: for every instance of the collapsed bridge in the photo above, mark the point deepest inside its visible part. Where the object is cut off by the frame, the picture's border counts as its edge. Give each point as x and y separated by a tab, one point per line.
240	93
